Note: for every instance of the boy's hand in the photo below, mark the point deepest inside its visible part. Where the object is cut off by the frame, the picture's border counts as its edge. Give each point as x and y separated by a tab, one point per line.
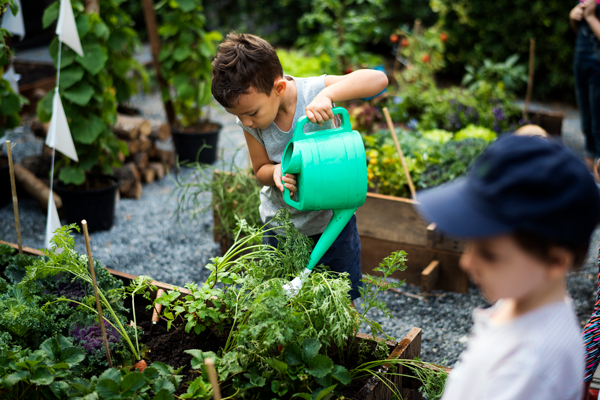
589	8
289	179
577	12
320	109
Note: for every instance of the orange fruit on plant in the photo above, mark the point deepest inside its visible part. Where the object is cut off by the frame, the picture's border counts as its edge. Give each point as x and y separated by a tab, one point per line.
394	38
404	42
425	58
443	37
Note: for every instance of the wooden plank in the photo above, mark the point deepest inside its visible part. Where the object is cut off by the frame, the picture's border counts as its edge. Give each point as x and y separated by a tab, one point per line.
409	387
26	250
451	277
429	276
395	219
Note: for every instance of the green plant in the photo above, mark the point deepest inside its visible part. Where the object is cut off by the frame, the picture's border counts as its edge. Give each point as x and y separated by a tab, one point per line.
88	97
44	373
302	65
186	54
70	262
508	75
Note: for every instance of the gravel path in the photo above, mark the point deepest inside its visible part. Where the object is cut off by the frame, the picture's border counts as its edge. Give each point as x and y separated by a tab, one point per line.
146	239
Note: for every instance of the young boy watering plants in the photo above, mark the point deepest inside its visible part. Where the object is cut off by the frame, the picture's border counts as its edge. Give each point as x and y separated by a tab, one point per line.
528	208
248	81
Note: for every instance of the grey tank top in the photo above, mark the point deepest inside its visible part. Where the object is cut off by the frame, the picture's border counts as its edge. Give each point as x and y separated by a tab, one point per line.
274	140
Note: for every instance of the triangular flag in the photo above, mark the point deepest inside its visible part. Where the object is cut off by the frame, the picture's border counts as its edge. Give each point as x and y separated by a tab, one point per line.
14	23
66	28
59	135
12	78
53	223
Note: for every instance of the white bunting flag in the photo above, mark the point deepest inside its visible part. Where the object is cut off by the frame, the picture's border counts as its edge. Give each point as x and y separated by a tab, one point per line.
53	222
14	23
12	78
59	135
66	28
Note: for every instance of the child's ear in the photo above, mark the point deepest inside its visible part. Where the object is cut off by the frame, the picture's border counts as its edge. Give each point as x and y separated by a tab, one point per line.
560	261
280	86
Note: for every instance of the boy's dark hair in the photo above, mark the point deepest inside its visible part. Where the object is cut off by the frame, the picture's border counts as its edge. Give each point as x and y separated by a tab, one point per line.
243	61
539	247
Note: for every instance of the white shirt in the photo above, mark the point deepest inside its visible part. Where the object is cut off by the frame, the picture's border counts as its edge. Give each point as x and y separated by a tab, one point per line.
538	355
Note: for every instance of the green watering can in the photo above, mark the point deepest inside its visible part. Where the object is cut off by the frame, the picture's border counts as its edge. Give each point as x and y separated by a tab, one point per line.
331	170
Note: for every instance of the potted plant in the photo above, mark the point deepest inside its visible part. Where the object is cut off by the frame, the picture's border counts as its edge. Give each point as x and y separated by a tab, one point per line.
186	54
89	87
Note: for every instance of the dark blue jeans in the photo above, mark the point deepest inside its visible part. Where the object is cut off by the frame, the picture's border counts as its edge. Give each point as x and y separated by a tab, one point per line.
342	256
586	66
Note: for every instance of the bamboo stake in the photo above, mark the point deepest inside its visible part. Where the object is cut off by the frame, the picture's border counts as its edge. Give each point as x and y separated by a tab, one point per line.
157	308
212	374
530	79
402	160
14	195
95	285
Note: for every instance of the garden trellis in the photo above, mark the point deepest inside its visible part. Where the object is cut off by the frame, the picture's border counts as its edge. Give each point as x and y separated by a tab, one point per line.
59	136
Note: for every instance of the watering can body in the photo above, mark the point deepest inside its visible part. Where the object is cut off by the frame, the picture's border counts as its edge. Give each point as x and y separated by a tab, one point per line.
331	171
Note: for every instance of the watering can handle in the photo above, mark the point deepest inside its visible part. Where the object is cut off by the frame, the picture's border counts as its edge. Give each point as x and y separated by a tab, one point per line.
346	126
286	196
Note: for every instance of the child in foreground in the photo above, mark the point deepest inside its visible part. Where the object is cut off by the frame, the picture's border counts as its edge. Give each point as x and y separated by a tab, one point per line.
248	81
528	208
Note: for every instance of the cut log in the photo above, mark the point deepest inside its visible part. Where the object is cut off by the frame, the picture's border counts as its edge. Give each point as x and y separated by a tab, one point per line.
133	146
40	129
145	143
166	157
145	128
152	150
35	187
148	175
133	192
159	130
159	169
130	186
141	160
130	128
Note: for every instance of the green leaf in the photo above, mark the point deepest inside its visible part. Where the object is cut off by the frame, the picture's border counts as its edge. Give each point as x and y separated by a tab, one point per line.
187	5
10	104
162	368
108	384
183	85
101	30
67	56
60	389
132	382
50	14
151	373
162	384
72	355
292	354
277	365
86	131
83	25
15	378
71	174
181	53
163	394
94	58
304	396
323	392
319	366
80	94
42	376
341	374
52	348
310	348
257	380
117	40
70	75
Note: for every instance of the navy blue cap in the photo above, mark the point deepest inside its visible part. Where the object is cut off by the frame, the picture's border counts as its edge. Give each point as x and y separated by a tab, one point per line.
518	184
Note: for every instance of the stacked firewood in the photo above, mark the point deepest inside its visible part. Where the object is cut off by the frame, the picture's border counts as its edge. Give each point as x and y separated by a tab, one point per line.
150	156
147	160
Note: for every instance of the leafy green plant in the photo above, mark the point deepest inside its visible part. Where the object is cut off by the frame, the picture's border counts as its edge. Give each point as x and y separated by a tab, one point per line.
186	54
508	75
68	261
87	89
44	373
302	65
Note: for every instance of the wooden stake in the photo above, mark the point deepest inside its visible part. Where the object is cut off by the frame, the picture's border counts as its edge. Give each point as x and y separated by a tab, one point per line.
530	80
95	285
157	308
212	374
151	27
14	195
402	160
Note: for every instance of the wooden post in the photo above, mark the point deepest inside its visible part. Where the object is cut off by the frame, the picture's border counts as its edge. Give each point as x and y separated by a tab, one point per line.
14	195
402	160
151	27
212	374
157	308
429	276
530	80
95	285
92	6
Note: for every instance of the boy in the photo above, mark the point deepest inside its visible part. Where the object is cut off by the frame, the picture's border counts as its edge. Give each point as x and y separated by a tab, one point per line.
528	208
248	82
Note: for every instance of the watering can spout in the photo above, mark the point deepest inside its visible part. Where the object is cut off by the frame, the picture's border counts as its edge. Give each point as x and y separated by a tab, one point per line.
332	231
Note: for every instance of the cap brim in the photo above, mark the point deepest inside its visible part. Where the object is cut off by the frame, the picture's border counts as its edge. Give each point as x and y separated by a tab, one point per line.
456	211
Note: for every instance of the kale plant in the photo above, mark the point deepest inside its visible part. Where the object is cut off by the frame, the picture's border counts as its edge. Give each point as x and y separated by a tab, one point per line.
90	337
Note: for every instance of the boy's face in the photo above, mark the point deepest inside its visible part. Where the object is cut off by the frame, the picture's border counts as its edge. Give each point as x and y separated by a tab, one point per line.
257	110
502	269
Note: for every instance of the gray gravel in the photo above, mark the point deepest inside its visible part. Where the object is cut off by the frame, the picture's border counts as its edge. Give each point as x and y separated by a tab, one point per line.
146	239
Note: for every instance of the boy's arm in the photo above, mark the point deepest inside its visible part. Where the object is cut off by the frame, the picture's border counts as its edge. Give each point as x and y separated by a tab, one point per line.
358	84
589	13
575	16
267	173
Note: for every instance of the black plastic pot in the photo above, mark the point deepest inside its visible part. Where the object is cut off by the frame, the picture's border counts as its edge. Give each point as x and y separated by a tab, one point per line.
189	144
5	190
96	206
